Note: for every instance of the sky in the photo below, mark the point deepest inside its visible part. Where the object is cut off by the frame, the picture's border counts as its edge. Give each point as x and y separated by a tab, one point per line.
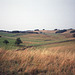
37	14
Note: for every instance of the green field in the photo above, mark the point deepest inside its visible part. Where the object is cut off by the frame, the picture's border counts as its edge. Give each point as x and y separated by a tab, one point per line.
29	39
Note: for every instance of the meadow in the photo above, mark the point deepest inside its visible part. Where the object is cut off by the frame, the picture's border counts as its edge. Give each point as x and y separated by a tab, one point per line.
39	54
29	39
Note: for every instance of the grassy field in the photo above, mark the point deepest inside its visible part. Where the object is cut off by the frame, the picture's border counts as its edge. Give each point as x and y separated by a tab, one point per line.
53	60
29	39
46	54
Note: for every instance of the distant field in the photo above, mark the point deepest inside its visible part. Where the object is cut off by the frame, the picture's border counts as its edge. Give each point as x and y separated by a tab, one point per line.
29	39
10	34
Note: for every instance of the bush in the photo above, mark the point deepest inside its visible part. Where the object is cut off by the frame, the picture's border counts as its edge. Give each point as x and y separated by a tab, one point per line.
43	29
40	32
73	35
15	32
18	41
73	31
55	29
0	36
6	41
61	31
36	30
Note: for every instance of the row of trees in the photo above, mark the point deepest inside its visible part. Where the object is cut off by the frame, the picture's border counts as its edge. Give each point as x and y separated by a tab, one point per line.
17	42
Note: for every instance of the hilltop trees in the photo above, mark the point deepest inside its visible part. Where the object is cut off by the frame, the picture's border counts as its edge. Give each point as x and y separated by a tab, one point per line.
55	29
6	41
36	30
61	31
73	31
18	41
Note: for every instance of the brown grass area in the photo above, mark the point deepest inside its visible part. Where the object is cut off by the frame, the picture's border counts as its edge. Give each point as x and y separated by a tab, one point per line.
49	61
46	31
34	35
41	37
68	35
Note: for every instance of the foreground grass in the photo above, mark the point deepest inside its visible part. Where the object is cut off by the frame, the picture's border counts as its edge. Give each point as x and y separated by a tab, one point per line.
59	60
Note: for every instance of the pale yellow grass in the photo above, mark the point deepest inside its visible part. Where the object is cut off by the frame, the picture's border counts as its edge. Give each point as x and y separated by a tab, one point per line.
49	61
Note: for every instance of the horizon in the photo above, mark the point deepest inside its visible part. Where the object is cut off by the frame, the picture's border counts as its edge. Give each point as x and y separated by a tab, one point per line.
40	14
36	28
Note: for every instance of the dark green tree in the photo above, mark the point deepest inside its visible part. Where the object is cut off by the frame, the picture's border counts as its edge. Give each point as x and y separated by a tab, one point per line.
6	41
18	41
0	36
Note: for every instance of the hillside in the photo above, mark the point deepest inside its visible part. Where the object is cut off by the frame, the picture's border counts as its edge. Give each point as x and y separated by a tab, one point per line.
58	59
46	53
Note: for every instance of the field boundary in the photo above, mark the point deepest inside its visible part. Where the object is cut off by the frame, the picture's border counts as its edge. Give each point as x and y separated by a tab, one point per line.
47	44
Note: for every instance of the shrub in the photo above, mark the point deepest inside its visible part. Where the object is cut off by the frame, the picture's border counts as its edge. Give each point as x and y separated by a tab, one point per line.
36	30
73	31
73	35
0	36
15	32
6	41
40	32
43	29
61	31
55	29
18	41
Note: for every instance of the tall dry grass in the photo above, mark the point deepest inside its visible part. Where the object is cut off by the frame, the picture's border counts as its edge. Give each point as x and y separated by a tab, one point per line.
49	61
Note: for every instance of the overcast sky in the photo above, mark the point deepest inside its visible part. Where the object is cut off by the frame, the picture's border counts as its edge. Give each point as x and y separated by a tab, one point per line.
37	14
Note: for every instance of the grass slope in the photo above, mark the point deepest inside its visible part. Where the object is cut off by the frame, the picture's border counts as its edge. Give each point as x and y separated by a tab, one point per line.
49	56
51	60
30	39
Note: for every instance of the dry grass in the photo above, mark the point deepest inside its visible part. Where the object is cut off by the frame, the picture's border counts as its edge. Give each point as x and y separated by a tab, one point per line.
49	61
46	31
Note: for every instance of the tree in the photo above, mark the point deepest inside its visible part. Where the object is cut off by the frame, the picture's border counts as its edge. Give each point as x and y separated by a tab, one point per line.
55	29
0	36
36	30
6	41
61	31
73	35
73	31
43	29
18	41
